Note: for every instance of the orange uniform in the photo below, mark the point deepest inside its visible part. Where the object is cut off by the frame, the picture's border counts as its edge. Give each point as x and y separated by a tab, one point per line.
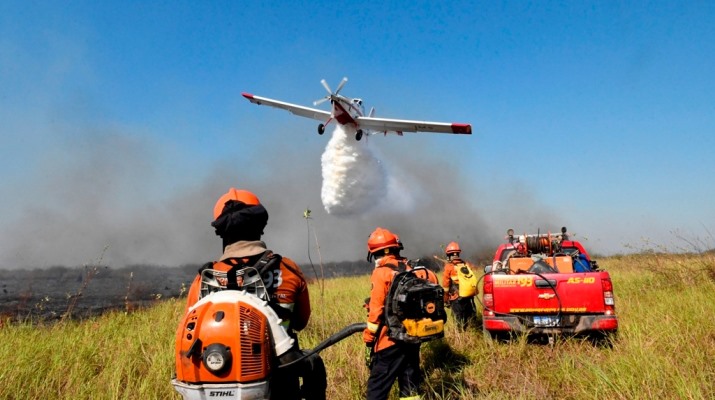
239	219
450	279
385	270
289	287
463	308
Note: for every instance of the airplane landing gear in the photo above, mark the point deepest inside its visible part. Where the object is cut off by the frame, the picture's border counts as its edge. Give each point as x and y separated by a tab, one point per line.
321	129
358	135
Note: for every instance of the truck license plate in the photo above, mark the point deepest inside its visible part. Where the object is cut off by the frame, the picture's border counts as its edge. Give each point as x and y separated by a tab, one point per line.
546	321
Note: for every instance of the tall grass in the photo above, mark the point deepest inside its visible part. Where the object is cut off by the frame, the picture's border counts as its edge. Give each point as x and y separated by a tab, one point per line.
665	347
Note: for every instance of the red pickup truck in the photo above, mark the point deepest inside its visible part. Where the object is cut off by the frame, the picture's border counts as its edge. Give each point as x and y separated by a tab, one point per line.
546	285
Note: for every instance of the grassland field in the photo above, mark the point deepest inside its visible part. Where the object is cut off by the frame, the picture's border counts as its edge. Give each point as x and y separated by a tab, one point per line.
665	348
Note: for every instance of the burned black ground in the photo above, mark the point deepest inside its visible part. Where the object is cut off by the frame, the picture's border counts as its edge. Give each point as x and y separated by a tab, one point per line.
61	292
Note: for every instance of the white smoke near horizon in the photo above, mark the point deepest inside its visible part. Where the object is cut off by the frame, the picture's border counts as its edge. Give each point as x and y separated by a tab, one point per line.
353	177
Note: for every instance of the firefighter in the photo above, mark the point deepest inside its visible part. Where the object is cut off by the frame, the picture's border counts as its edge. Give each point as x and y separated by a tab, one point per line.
239	219
389	360
461	301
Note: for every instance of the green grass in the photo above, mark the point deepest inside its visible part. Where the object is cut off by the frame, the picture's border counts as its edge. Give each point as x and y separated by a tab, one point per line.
665	347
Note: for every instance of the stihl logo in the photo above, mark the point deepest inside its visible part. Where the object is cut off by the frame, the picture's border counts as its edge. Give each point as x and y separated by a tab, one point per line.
225	393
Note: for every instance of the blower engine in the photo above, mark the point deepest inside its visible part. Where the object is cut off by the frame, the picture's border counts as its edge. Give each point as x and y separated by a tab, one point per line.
230	341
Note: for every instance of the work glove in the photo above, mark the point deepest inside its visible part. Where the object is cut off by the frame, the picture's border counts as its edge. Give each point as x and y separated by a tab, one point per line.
368	337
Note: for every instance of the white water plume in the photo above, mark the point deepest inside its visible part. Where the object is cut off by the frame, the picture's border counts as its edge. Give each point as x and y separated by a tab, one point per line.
353	178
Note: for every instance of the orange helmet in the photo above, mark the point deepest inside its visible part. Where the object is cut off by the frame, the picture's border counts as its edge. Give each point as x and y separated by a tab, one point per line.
452	248
243	196
382	239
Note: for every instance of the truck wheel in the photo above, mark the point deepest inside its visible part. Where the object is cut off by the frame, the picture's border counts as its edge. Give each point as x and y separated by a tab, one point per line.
603	339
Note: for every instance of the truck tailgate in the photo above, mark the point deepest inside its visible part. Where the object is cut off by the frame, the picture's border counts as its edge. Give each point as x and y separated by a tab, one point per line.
571	293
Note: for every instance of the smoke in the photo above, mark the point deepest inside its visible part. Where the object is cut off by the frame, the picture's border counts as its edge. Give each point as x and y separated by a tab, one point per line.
365	185
353	178
95	200
103	196
356	180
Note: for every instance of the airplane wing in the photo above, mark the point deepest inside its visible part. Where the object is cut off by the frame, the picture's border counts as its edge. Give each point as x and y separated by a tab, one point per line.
400	125
306	112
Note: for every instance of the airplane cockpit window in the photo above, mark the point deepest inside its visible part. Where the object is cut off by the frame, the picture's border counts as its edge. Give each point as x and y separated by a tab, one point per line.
358	103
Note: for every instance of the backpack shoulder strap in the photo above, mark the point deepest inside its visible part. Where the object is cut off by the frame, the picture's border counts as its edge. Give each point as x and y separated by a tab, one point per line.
235	264
206	266
398	267
267	261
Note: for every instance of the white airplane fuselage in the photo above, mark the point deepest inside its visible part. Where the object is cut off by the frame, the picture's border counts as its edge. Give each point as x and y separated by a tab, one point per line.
347	112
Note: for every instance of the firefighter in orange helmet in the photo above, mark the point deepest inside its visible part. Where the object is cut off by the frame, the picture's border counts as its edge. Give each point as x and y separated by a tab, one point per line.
462	307
389	360
239	219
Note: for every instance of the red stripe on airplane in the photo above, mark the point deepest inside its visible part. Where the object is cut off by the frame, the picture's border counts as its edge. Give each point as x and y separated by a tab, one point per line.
462	128
343	117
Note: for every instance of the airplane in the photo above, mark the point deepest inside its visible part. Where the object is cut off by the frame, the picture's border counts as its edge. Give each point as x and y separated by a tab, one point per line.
347	111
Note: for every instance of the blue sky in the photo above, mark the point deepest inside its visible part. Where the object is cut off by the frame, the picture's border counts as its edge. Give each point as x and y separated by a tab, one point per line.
121	122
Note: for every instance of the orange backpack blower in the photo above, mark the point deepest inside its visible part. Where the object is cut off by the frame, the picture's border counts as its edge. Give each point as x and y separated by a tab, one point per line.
229	342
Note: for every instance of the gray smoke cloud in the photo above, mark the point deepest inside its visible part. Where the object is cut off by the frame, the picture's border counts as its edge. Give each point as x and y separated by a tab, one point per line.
402	187
101	197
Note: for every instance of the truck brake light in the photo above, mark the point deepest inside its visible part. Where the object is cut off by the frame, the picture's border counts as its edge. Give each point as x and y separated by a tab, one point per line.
488	287
606	285
607	293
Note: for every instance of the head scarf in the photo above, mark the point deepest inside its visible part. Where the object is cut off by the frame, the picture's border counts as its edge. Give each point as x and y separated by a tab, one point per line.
239	221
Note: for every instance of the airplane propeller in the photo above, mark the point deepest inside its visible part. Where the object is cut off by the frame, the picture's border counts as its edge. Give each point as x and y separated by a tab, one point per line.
330	91
321	101
325	85
340	86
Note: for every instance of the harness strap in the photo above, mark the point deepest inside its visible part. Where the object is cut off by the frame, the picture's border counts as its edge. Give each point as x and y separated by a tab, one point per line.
265	263
206	266
232	282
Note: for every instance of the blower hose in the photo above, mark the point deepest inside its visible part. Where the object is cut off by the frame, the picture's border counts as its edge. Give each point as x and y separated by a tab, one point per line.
333	339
